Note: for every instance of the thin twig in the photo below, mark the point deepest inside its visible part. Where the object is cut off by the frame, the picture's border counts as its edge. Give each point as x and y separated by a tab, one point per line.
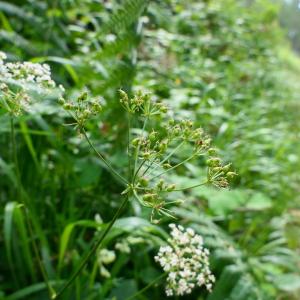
103	159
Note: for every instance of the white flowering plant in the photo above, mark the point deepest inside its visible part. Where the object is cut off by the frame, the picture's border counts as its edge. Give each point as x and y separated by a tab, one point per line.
152	155
185	261
19	79
152	152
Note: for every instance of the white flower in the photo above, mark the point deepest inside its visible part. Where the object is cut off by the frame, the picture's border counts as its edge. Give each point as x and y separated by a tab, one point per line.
110	38
186	262
123	247
190	231
105	257
26	75
26	72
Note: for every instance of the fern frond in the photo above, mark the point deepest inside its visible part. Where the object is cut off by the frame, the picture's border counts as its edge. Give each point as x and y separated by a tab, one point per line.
125	15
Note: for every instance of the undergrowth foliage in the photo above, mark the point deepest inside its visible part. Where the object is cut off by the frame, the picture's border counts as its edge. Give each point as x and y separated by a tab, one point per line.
149	156
102	105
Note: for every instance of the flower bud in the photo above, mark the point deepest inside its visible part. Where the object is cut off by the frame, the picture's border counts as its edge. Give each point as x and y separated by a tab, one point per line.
143	182
171	122
68	106
189	124
97	107
149	197
171	187
160	184
4	87
163	109
86	113
213	162
226	168
166	166
231	175
152	136
212	151
83	96
135	142
61	101
146	155
124	97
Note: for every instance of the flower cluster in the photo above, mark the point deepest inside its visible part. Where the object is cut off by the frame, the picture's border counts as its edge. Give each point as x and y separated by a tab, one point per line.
153	146
14	102
105	257
218	174
23	76
157	151
26	72
185	261
82	109
141	103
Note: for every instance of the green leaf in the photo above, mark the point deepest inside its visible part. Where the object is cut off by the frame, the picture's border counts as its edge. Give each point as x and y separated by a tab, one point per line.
8	233
28	140
259	201
66	235
288	282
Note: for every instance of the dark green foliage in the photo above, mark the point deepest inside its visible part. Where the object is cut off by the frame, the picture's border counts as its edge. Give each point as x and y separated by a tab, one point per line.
222	64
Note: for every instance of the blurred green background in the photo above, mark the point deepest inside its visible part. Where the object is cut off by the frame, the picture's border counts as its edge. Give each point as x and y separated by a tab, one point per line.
231	66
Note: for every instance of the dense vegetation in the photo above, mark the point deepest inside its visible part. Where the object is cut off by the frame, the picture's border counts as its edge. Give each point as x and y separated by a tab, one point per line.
68	158
290	19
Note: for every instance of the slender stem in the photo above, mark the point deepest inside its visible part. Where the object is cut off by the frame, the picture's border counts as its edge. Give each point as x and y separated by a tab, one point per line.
137	171
174	167
146	287
191	187
138	198
26	206
138	148
167	157
128	144
93	249
149	166
103	159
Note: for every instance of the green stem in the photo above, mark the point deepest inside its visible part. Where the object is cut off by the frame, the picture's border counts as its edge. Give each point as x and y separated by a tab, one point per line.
191	187
128	144
149	166
93	250
138	148
137	171
174	167
167	157
103	159
146	287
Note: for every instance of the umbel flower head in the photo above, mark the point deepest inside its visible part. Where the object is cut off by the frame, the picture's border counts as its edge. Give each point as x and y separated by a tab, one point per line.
26	72
185	261
157	150
17	78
